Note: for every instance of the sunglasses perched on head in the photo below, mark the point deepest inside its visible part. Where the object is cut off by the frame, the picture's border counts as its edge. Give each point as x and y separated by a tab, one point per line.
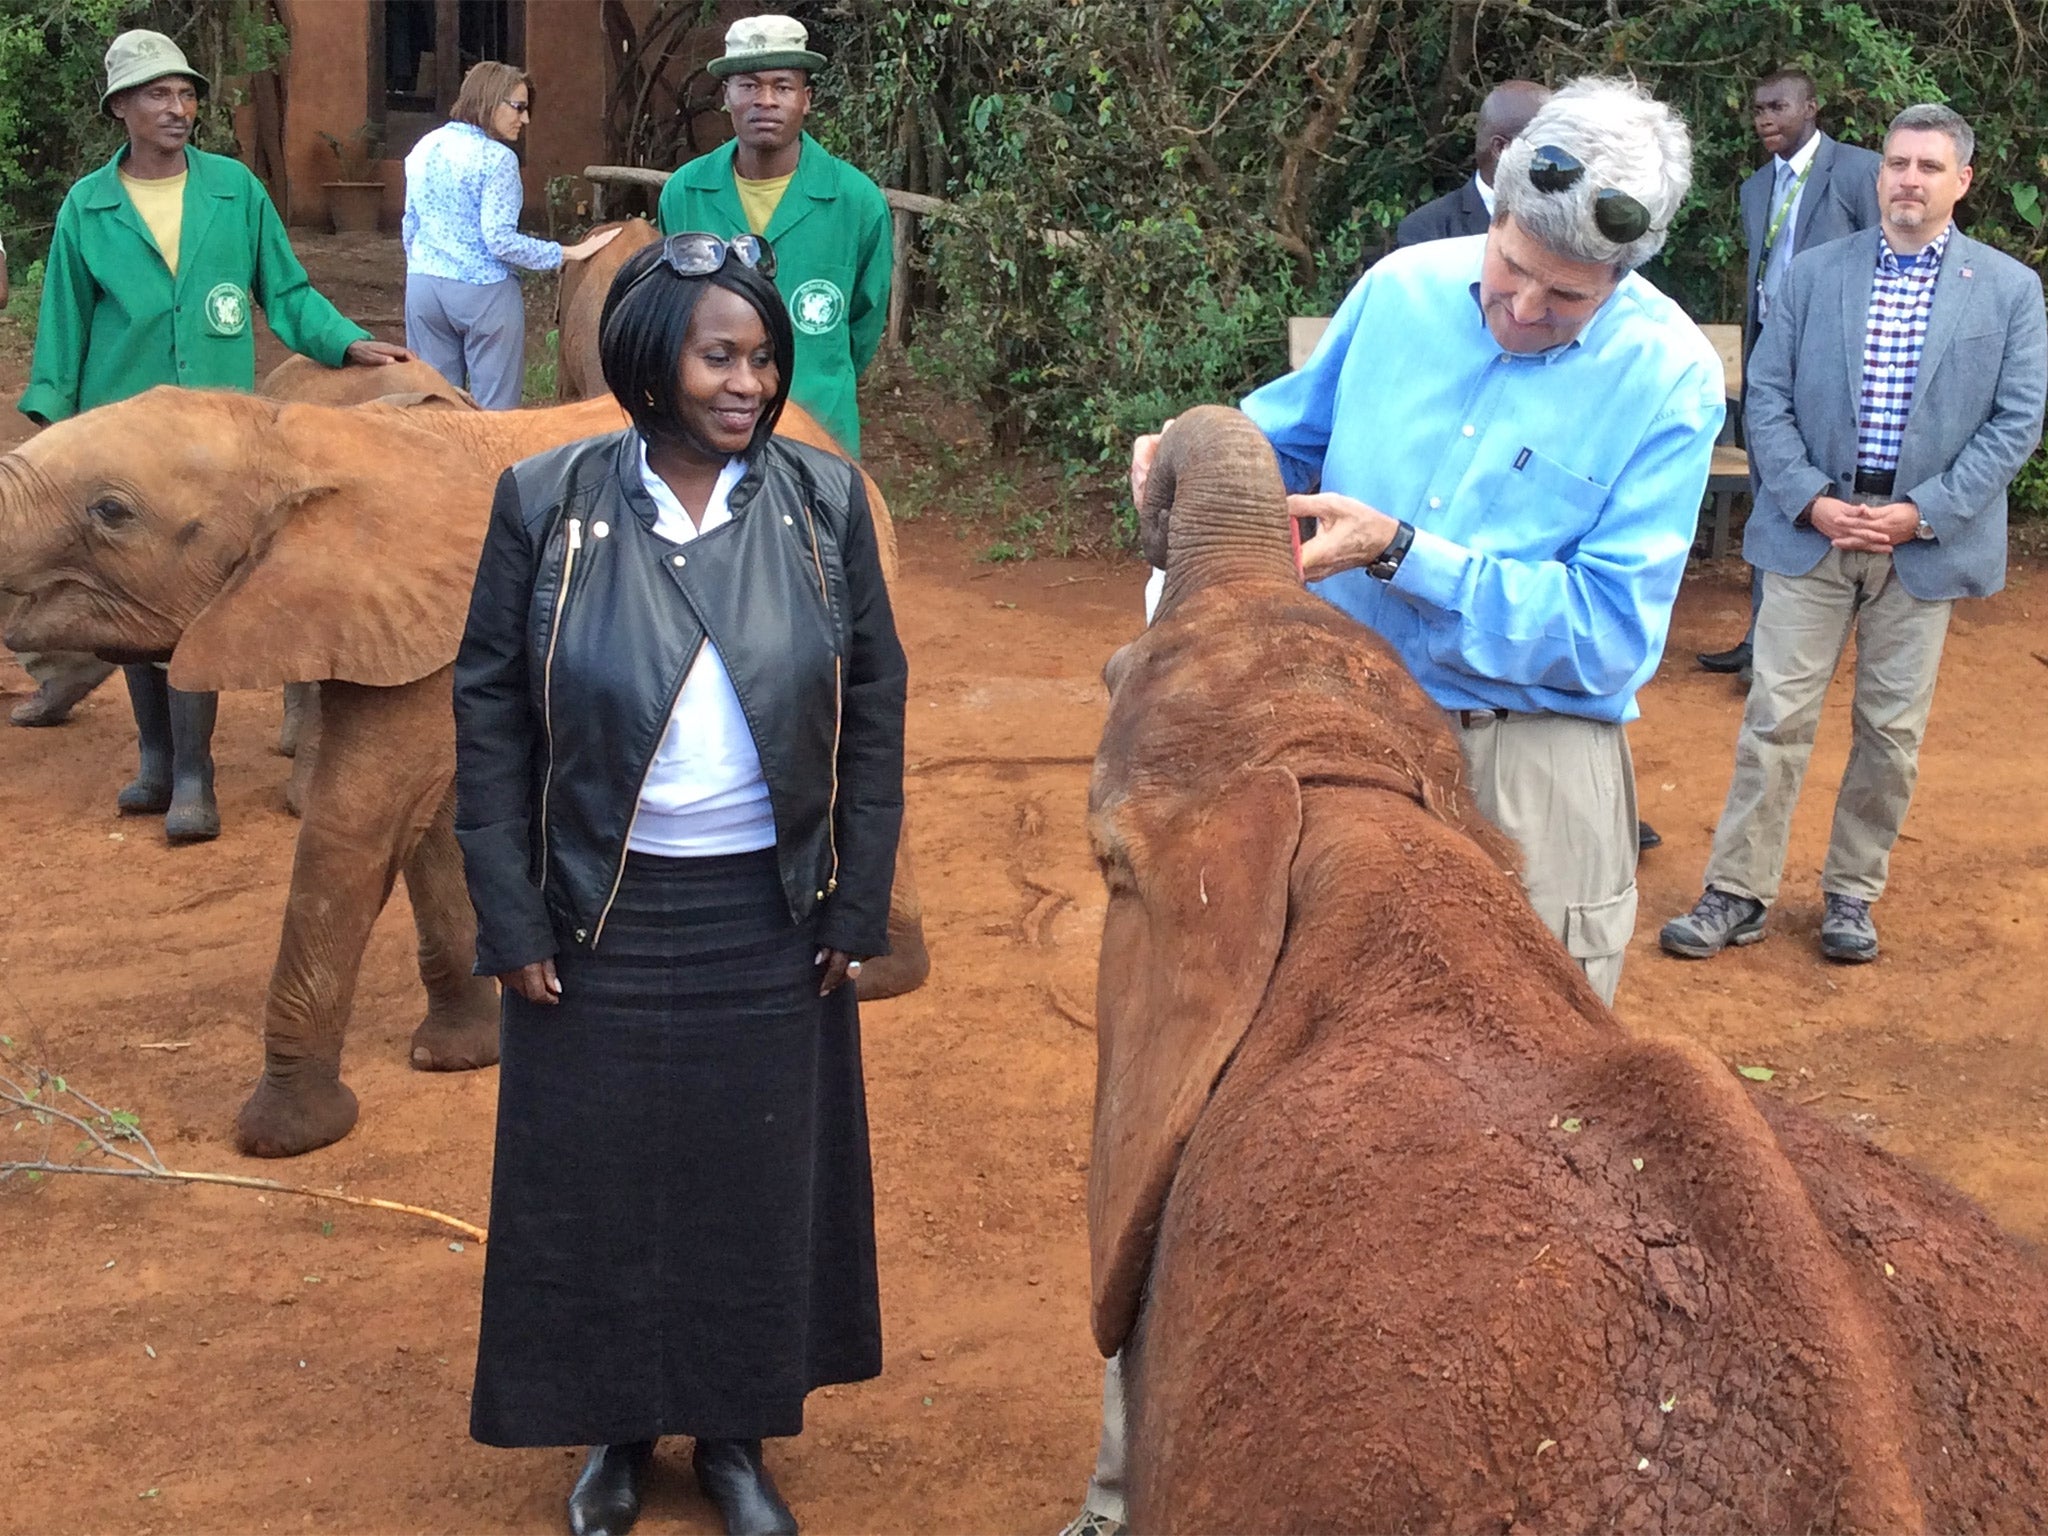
1616	215
693	253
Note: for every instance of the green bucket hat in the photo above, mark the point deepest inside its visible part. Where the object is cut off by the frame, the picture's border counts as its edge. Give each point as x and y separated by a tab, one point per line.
136	58
766	42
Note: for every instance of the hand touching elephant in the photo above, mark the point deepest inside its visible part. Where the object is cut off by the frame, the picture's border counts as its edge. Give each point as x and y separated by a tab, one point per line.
1396	1228
253	544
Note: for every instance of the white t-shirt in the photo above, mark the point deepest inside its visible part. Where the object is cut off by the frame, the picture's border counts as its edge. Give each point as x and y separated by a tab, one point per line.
705	794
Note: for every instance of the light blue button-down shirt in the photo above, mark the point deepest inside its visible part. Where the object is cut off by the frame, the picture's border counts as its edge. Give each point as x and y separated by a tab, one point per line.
1554	496
462	202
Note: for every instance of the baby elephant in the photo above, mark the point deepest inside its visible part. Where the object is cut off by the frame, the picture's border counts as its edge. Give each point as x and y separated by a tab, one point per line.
1396	1228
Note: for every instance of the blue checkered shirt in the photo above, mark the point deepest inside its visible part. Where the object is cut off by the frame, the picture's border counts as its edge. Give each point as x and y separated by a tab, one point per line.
1894	333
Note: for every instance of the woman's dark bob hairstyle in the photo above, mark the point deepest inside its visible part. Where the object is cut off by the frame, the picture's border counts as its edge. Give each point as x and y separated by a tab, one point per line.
640	343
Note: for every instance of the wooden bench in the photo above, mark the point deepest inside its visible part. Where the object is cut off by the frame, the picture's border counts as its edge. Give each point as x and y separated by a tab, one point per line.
1728	476
1726	479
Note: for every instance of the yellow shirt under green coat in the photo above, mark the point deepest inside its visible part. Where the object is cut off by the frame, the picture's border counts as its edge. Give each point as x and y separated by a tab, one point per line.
116	321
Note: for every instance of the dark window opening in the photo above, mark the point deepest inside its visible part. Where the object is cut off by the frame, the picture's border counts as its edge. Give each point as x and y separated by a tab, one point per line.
414	78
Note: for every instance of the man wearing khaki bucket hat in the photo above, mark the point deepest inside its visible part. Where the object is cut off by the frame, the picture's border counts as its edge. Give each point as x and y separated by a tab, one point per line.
827	223
157	259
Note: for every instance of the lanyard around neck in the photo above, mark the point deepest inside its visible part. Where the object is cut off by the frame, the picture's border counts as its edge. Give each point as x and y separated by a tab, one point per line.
1784	211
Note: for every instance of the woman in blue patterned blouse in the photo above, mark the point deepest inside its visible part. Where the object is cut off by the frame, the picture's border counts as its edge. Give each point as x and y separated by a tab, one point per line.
463	194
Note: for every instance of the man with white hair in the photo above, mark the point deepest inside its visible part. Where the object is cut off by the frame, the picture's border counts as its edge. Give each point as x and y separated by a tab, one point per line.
1512	433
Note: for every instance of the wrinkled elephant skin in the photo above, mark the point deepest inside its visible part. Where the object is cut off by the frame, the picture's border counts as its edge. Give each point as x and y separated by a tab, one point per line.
260	544
1396	1227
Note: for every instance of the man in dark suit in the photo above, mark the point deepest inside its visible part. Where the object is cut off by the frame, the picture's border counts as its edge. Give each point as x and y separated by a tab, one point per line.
1469	210
1812	190
1897	389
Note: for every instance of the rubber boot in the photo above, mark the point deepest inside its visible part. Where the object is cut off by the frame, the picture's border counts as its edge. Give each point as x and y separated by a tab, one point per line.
193	816
149	792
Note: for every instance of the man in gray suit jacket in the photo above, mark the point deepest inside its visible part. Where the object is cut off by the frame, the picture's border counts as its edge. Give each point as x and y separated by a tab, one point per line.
1812	190
1897	389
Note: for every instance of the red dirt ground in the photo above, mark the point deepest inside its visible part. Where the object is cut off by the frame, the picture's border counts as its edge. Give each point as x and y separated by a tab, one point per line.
311	1361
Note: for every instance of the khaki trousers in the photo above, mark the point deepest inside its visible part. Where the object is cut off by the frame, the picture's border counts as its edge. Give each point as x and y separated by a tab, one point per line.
1106	1487
1564	788
1805	622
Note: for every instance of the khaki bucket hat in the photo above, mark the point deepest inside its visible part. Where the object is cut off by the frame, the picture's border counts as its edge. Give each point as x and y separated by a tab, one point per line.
136	58
766	42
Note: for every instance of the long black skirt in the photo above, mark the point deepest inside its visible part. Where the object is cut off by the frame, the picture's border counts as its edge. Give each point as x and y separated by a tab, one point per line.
682	1210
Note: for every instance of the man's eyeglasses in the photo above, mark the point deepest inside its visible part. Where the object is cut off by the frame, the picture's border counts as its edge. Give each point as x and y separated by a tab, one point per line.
692	253
1616	215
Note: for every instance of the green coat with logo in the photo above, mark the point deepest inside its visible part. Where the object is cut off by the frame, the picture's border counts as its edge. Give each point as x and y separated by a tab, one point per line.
115	322
830	234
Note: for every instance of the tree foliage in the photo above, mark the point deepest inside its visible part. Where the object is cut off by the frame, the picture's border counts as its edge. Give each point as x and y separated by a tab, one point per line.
1148	188
51	74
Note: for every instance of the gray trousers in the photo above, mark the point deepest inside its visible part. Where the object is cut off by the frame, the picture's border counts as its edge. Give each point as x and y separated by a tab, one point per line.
1564	789
474	335
1805	623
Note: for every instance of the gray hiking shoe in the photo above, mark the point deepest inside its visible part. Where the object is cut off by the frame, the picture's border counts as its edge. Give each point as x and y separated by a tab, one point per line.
1717	920
1846	931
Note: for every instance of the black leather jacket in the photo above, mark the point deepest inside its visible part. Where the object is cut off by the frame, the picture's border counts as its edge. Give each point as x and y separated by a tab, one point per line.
577	646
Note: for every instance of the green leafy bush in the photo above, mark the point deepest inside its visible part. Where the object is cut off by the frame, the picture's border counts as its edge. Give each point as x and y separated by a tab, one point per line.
1146	189
51	73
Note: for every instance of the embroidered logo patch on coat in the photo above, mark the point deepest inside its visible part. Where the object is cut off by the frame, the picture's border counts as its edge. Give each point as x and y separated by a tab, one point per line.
227	310
817	306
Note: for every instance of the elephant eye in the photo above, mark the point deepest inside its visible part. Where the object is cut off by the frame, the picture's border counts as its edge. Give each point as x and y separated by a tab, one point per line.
109	513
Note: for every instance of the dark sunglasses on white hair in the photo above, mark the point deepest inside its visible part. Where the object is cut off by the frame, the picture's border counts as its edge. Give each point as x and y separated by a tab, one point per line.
1616	215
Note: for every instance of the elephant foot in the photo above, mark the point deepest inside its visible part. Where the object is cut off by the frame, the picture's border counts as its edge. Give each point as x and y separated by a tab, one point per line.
892	975
283	1119
457	1041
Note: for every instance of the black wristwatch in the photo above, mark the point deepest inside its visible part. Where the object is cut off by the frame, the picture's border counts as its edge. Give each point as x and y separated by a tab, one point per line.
1390	558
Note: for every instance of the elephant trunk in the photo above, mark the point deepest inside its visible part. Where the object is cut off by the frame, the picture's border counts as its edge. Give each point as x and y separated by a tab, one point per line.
29	505
1215	509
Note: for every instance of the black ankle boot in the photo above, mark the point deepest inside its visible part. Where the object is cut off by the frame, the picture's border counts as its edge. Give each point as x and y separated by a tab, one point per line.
732	1477
149	792
193	816
606	1498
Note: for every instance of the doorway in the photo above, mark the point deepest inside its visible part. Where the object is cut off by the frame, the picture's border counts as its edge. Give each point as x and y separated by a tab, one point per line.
419	52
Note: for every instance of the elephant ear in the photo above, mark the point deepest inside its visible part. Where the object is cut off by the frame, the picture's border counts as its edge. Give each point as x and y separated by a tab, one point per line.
1193	932
359	569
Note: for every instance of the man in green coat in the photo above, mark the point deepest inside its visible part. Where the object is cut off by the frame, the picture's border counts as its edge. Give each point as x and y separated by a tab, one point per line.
156	262
827	223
